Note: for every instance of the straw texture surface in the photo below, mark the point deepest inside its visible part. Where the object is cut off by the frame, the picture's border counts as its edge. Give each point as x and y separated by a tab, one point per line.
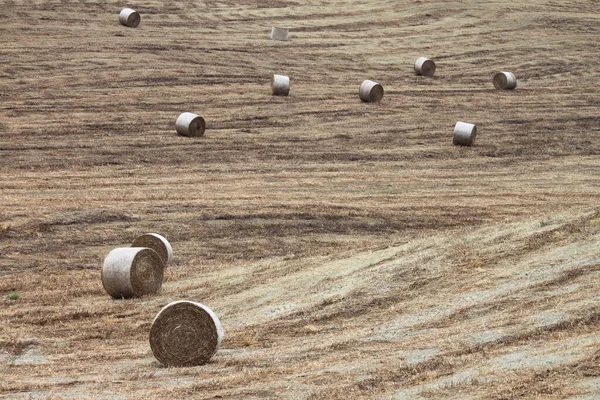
370	91
132	272
424	66
158	243
505	81
129	17
185	333
189	124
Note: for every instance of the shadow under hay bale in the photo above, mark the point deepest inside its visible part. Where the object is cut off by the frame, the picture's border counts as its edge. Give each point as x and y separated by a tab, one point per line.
129	18
158	243
189	124
280	85
505	81
464	134
370	91
132	272
424	66
185	333
279	34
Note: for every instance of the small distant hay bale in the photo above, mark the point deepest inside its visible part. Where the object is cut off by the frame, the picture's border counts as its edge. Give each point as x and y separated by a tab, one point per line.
189	124
185	333
424	66
464	134
505	81
158	243
129	17
280	85
370	91
132	272
279	34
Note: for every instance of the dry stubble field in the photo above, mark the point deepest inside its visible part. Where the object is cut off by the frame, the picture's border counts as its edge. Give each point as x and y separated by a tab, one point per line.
349	249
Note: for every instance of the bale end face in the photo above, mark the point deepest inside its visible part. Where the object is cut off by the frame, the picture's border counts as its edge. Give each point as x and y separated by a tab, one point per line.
370	91
132	272
191	125
158	243
185	333
129	18
425	66
505	81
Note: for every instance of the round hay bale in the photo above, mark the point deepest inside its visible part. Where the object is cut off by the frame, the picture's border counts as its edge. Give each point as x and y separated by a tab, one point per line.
280	85
505	81
279	34
370	91
132	272
158	243
464	134
129	17
189	124
424	66
185	333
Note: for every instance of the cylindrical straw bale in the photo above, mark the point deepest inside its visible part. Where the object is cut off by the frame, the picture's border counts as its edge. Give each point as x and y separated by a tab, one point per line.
129	17
505	81
132	272
189	124
424	66
279	34
280	85
158	243
464	134
370	91
185	333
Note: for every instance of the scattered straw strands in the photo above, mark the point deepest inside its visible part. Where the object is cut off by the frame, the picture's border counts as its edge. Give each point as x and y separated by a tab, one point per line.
132	272
370	91
189	124
279	34
280	85
129	17
505	81
464	134
424	66
185	333
158	243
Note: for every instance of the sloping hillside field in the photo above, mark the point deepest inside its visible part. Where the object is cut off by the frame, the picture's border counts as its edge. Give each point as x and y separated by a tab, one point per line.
350	250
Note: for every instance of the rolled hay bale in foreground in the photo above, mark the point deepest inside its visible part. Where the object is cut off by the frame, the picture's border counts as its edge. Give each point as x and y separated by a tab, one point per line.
189	124
464	134
129	17
370	91
280	85
132	272
185	333
424	66
279	34
158	243
505	81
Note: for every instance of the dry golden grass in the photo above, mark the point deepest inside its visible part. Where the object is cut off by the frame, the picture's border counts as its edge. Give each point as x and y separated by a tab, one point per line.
349	249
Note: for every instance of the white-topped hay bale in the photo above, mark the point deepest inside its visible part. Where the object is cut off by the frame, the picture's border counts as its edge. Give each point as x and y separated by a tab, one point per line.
464	134
185	333
132	272
279	34
129	17
189	124
424	66
158	243
370	91
280	85
505	80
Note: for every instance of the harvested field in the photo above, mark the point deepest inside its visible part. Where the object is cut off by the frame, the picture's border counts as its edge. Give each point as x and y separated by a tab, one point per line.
349	250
